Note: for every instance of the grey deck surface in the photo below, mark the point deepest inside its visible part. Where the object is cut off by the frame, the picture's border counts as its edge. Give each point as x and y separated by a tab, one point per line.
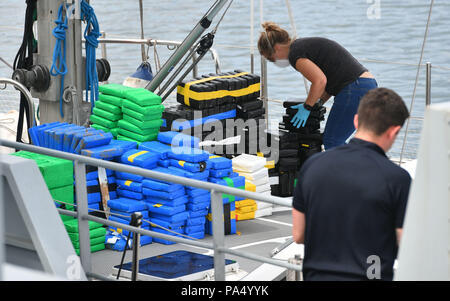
262	235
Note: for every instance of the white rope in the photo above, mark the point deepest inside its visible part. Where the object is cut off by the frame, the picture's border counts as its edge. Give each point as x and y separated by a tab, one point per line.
294	36
252	33
417	80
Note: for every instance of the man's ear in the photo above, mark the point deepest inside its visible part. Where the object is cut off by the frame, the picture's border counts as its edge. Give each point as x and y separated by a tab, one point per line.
393	131
355	121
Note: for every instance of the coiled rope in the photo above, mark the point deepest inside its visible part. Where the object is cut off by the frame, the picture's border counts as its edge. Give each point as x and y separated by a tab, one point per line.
91	35
59	66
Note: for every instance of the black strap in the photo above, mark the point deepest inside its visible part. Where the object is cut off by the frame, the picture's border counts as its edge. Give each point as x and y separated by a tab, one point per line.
96	188
227	218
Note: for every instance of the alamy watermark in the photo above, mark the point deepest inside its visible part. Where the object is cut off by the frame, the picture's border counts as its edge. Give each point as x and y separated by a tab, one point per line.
374	270
374	10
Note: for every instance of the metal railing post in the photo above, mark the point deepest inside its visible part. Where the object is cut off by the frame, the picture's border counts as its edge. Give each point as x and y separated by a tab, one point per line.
103	45
428	85
82	210
137	216
218	235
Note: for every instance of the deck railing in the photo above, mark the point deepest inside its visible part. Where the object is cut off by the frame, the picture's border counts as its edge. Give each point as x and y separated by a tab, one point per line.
218	244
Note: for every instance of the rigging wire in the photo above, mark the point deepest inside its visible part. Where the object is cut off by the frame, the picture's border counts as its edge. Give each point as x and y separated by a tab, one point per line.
417	80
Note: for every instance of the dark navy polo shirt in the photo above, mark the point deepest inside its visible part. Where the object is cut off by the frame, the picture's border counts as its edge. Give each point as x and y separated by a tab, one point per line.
353	198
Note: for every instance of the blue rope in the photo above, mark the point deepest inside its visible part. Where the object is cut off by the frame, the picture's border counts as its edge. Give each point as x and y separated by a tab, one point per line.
91	34
59	66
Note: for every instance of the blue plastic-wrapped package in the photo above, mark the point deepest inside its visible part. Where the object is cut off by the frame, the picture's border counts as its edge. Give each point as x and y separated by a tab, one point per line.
90	141
192	175
130	194
200	198
157	147
178	139
198	206
182	216
163	194
164	210
188	154
129	185
156	185
164	241
218	162
127	205
167	225
220	173
193	229
188	166
193	221
129	176
174	203
141	158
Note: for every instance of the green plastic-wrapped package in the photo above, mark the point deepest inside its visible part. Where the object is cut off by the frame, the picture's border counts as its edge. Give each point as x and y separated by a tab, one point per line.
142	117
115	132
137	137
150	124
114	89
100	127
94	241
72	225
145	110
55	171
107	115
63	194
125	138
102	121
94	233
142	97
113	109
110	99
123	124
94	248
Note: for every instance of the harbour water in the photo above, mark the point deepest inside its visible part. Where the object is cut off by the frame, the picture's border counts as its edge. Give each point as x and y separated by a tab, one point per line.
374	31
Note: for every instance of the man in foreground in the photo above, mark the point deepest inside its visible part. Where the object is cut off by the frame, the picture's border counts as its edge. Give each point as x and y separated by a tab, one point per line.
350	201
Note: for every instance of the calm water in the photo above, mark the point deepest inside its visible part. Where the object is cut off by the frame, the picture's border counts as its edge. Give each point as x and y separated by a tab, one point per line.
396	34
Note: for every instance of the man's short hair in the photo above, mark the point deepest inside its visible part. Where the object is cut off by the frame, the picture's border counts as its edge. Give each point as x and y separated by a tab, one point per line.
380	109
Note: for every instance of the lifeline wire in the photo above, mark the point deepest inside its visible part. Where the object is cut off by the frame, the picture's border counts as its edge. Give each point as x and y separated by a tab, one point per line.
417	79
126	216
59	66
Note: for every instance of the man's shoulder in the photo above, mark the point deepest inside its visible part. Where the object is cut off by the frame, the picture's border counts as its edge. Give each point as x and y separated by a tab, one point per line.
324	157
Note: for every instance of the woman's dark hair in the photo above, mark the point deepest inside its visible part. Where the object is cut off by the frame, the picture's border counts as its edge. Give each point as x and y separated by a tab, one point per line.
380	109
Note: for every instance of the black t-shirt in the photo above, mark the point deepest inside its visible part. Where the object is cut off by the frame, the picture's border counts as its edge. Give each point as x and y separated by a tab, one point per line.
353	198
338	65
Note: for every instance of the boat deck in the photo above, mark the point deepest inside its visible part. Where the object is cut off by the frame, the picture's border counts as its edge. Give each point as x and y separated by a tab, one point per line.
257	236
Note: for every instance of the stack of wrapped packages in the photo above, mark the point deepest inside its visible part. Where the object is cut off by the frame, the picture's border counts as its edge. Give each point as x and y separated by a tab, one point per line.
121	210
166	204
58	175
185	159
256	174
131	197
96	235
108	108
221	173
142	112
110	152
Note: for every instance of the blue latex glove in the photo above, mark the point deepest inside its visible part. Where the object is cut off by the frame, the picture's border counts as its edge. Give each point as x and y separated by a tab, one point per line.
301	117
